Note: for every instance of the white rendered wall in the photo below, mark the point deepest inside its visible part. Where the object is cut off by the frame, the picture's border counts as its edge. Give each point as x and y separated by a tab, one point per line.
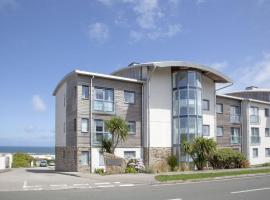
2	162
60	116
118	152
209	93
265	141
160	103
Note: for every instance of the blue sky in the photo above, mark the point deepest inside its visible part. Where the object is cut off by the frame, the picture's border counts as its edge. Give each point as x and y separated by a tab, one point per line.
41	41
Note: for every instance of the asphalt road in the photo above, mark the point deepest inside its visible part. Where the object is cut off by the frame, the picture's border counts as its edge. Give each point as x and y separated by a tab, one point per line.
245	188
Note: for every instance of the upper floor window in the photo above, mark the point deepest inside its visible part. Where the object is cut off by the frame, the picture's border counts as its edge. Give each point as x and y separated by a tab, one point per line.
235	114
205	104
103	99
100	131
219	131
255	136
84	125
266	111
131	127
85	92
219	108
235	136
206	130
267	132
129	97
254	115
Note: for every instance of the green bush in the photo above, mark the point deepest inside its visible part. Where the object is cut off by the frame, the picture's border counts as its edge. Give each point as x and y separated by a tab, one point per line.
99	171
130	170
106	145
21	160
228	158
172	162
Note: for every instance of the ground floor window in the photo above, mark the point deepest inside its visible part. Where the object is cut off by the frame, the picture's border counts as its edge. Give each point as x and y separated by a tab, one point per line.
267	152
219	131
129	154
84	158
235	136
206	130
255	152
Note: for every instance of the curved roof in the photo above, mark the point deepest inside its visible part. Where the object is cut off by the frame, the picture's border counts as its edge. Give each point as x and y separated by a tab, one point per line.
210	72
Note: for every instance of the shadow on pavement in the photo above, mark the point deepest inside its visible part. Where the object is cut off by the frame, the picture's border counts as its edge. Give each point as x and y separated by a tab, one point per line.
50	171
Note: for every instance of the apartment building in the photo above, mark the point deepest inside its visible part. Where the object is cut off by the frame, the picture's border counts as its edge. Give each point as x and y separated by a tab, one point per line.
163	104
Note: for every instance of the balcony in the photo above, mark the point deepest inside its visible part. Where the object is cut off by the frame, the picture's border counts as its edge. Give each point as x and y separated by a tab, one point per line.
255	140
235	119
235	139
254	119
97	137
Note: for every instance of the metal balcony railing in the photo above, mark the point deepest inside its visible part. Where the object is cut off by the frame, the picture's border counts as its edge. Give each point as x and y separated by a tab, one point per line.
254	119
255	140
235	139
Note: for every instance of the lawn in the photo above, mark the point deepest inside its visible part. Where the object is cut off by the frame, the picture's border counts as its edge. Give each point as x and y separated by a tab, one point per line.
205	175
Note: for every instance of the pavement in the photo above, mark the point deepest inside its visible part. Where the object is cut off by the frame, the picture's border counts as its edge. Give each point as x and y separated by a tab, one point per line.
241	188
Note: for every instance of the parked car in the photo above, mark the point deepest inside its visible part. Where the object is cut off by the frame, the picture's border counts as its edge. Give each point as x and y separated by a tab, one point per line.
43	163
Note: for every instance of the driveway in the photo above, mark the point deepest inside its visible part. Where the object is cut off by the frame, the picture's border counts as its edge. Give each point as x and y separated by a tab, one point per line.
47	179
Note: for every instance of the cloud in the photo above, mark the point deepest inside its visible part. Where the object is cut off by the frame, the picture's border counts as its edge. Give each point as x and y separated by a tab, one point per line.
38	104
219	65
7	4
98	31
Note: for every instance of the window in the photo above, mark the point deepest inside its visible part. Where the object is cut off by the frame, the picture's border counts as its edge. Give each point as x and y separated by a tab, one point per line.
235	114
255	136
103	99
235	136
255	152
205	104
206	130
266	111
129	154
254	115
267	152
267	132
75	124
129	97
84	158
85	125
99	131
131	127
85	92
219	108
219	131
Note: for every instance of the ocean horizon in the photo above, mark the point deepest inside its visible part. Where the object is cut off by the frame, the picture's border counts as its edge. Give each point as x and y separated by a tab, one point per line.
28	149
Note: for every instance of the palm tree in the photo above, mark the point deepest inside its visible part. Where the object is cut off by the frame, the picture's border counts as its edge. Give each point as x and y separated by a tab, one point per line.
118	129
200	150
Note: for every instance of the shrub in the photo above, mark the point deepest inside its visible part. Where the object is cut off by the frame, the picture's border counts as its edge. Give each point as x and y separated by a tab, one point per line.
106	146
228	158
21	160
130	170
99	171
172	162
136	164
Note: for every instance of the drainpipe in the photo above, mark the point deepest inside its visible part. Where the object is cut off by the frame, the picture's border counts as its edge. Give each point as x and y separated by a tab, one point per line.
90	121
148	112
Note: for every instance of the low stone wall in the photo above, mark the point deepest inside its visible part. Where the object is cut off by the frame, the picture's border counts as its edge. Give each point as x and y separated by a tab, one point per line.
114	164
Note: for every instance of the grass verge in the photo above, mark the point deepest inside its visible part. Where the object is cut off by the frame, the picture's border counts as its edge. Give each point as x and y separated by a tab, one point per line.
205	175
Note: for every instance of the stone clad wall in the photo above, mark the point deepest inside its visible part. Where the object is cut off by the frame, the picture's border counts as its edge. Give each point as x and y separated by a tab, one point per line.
67	163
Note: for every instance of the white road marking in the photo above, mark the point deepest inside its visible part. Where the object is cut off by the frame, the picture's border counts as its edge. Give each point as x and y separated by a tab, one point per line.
24	184
126	185
105	186
251	190
104	183
63	185
116	182
175	199
80	184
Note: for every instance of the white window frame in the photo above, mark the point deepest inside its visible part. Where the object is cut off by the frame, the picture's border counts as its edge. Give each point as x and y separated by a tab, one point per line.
132	123
126	100
208	104
206	125
267	130
83	94
221	106
87	125
103	100
256	156
87	158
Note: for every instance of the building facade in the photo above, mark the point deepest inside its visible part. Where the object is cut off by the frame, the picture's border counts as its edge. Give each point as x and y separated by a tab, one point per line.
163	103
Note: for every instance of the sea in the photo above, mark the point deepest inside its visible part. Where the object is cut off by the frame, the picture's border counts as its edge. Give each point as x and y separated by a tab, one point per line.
31	150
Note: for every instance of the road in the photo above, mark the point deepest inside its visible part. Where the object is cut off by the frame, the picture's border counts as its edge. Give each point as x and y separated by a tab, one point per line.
245	188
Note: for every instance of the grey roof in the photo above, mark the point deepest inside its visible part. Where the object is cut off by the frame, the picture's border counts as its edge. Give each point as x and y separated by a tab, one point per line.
210	72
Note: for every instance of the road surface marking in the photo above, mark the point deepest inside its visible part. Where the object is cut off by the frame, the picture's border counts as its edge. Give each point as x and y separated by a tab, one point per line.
105	186
80	184
116	182
175	199
24	184
104	183
63	185
251	190
126	185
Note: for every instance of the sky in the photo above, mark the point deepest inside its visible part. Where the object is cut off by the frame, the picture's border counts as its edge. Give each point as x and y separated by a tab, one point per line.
41	41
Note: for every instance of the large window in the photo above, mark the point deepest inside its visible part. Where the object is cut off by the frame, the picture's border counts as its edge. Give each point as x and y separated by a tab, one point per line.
100	132
84	158
205	104
235	114
84	126
254	115
129	97
235	136
103	99
255	136
85	92
266	111
206	130
129	154
131	127
219	131
219	108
